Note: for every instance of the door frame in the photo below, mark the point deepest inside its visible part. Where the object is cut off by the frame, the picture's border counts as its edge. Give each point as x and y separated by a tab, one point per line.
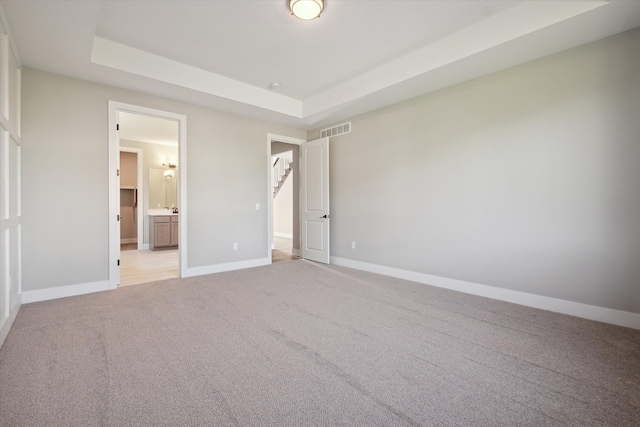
140	193
287	140
114	159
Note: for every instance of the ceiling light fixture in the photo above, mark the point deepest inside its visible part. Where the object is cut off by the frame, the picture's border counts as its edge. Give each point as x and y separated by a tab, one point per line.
306	9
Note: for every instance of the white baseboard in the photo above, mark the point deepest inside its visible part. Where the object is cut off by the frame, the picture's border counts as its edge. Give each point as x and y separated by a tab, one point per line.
64	291
592	312
285	235
218	268
145	247
13	312
296	252
129	240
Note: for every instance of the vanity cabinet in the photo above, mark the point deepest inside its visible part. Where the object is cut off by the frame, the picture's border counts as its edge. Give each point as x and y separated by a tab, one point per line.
163	232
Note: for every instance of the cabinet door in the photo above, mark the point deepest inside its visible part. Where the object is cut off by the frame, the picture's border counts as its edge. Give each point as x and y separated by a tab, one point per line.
162	232
174	232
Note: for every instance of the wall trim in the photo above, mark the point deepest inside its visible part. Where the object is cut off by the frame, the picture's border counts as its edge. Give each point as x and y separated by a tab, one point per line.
128	240
13	313
285	235
5	26
296	252
8	126
591	312
229	266
64	291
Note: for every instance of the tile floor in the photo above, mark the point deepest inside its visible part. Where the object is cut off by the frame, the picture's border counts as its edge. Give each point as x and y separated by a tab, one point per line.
147	266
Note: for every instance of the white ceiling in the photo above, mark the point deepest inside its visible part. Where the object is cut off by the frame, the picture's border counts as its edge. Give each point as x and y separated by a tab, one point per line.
358	56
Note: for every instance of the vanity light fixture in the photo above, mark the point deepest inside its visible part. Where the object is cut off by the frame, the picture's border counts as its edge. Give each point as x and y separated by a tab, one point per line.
306	9
169	164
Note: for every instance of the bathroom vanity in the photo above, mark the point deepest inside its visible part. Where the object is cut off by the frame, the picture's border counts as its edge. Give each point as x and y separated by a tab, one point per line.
163	229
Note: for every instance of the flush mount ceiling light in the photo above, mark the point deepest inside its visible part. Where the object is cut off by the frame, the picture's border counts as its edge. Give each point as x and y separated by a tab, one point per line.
306	9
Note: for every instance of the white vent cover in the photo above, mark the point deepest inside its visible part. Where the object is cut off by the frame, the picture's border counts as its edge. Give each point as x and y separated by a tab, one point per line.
336	130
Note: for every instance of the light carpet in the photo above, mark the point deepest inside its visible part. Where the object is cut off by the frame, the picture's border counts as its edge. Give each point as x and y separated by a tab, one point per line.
301	344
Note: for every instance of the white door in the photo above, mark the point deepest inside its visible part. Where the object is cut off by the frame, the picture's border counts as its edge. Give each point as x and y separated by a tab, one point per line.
314	197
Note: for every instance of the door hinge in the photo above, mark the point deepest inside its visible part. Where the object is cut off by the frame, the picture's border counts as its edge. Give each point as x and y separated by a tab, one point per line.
118	217
117	127
118	172
118	262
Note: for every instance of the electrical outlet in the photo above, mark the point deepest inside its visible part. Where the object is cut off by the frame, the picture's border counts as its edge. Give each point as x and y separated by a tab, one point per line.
235	246
353	245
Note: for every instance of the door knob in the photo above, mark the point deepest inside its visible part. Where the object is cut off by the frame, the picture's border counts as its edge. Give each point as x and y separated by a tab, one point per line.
325	216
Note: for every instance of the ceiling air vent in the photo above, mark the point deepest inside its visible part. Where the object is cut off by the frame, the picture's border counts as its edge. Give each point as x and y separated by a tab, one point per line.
336	130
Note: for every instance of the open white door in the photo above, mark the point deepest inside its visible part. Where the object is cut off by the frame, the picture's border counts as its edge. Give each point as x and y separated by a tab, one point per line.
314	198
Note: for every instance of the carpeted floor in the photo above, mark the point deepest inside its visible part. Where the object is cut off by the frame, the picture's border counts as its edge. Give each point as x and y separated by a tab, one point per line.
301	344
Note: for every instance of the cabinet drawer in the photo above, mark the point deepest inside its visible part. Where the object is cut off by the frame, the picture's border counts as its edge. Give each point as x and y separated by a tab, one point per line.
162	219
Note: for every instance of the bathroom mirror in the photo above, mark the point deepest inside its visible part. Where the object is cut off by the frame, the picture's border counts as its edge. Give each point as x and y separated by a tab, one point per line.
162	189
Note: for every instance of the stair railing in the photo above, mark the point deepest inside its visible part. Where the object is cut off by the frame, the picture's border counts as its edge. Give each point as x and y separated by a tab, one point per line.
281	169
276	172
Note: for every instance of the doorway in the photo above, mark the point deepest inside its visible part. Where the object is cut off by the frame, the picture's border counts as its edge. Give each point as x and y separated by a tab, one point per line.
285	187
311	211
283	198
158	139
148	184
131	193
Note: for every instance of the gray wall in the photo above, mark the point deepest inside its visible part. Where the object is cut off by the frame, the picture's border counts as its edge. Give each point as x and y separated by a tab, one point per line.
526	179
65	180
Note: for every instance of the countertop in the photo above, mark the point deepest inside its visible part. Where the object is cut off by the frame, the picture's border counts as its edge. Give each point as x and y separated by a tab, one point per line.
161	212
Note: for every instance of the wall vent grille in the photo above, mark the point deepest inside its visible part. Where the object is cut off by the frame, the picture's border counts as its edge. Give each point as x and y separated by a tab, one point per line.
336	130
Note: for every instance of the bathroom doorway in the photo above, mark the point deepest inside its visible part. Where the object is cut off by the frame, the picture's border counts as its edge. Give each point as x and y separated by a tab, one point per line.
148	236
146	197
